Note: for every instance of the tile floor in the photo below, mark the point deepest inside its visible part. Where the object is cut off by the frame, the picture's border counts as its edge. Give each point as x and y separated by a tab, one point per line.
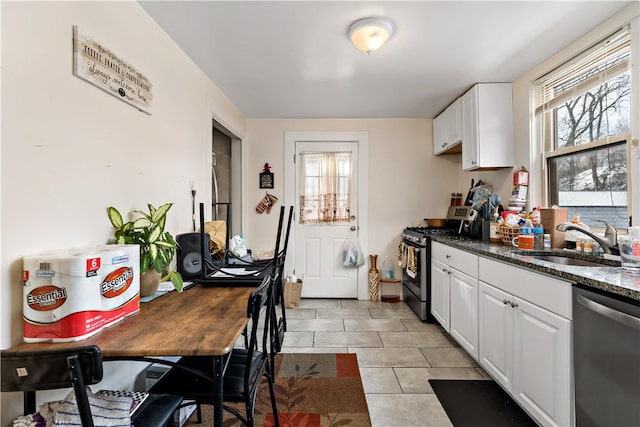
397	354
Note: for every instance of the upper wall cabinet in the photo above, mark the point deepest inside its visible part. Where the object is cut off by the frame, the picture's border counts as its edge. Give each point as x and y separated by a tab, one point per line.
487	126
447	134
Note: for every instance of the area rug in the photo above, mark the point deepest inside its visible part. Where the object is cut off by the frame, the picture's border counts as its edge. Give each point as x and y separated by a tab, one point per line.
475	403
312	390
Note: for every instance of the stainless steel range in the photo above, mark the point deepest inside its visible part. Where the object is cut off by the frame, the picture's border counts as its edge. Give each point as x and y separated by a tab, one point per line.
416	271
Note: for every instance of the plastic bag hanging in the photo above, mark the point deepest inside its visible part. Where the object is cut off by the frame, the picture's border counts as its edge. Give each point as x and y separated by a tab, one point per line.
352	255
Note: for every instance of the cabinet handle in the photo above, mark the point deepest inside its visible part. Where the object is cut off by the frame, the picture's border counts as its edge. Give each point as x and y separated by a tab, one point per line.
447	256
444	270
514	304
444	144
505	301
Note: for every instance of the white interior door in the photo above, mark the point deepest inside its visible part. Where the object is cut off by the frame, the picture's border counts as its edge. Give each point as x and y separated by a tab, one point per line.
362	218
318	246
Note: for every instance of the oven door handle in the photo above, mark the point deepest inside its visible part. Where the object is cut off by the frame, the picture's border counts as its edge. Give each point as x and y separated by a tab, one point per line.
412	244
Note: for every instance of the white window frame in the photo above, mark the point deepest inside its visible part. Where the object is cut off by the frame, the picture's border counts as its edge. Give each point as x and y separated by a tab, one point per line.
545	121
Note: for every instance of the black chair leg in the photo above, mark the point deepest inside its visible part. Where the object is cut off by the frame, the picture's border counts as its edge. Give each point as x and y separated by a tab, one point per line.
274	407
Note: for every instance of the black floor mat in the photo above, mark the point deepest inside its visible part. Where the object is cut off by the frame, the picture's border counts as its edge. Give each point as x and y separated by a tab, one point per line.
475	403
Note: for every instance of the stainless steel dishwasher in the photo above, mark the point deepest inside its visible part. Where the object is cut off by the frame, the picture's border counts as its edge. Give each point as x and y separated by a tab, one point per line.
606	354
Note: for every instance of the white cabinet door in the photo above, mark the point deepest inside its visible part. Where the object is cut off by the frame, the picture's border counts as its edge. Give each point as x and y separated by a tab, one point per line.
487	126
542	379
440	293
447	129
439	137
464	311
469	109
454	123
496	334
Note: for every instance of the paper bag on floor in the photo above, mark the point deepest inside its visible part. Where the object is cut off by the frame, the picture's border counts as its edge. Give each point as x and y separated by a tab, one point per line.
292	292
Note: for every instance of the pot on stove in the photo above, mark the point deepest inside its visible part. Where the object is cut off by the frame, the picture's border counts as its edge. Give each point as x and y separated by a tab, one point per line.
435	222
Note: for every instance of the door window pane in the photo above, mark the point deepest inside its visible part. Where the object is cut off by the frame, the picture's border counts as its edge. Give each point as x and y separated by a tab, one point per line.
325	187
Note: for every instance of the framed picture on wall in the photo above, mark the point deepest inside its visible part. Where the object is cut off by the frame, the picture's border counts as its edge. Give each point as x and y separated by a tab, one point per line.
266	179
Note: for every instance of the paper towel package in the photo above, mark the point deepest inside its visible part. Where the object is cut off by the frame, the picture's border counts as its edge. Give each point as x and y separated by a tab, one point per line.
72	294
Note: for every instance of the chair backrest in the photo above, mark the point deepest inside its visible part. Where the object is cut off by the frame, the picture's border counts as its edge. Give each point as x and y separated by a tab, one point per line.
31	371
257	299
286	238
276	334
279	261
279	325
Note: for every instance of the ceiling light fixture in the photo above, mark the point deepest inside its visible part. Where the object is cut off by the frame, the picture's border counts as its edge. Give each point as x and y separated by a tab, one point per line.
370	34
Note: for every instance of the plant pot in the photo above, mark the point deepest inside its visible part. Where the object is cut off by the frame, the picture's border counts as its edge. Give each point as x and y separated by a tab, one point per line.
149	283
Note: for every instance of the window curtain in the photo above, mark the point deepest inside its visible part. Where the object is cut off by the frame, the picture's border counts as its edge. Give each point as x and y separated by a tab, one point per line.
325	187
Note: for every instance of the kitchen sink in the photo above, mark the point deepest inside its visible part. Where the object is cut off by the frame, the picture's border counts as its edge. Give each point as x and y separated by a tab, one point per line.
564	258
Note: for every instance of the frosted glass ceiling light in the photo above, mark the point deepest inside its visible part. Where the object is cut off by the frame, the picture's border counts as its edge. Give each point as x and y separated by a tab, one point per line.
370	34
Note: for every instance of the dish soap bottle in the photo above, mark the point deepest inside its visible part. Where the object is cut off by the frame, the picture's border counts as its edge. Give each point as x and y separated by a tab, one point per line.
387	269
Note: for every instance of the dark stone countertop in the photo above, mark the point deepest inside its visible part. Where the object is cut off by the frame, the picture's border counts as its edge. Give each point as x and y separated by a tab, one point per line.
609	278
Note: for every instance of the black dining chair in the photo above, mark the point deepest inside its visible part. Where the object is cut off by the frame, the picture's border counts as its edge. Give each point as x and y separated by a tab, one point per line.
191	376
77	367
281	324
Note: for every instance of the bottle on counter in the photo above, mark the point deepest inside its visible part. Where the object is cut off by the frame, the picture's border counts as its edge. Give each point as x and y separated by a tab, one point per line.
547	242
538	238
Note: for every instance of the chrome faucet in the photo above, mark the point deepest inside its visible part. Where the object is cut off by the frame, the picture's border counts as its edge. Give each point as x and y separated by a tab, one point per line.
609	242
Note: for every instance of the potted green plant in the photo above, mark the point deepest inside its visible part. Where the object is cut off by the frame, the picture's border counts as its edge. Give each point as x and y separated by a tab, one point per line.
157	246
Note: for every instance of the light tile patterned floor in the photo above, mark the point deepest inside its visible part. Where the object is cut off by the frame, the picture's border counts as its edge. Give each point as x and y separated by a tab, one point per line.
397	354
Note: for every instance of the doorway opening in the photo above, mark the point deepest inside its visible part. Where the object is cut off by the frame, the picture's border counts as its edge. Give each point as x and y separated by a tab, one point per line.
226	178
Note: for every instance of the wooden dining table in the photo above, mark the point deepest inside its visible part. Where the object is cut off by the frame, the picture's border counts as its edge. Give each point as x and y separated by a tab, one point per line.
200	321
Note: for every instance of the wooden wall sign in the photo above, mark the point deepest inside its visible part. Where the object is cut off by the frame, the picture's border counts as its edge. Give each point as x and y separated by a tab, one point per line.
101	67
266	177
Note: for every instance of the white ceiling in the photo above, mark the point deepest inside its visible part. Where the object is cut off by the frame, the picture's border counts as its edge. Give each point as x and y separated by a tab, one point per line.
292	59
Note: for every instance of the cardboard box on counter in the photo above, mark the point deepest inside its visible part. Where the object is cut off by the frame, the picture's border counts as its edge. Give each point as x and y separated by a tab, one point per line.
550	218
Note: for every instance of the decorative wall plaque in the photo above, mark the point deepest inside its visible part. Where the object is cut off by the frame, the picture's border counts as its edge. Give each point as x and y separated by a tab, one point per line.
266	177
101	67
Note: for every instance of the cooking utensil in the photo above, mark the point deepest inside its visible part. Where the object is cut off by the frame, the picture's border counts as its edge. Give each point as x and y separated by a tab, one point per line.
468	200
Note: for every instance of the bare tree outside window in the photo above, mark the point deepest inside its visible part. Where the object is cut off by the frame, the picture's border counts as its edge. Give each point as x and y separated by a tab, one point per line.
600	113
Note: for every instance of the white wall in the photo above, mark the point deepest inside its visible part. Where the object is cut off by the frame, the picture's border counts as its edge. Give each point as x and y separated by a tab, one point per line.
407	183
69	149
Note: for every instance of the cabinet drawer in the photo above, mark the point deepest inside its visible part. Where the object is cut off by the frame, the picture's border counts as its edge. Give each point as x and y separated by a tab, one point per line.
439	251
465	262
544	291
